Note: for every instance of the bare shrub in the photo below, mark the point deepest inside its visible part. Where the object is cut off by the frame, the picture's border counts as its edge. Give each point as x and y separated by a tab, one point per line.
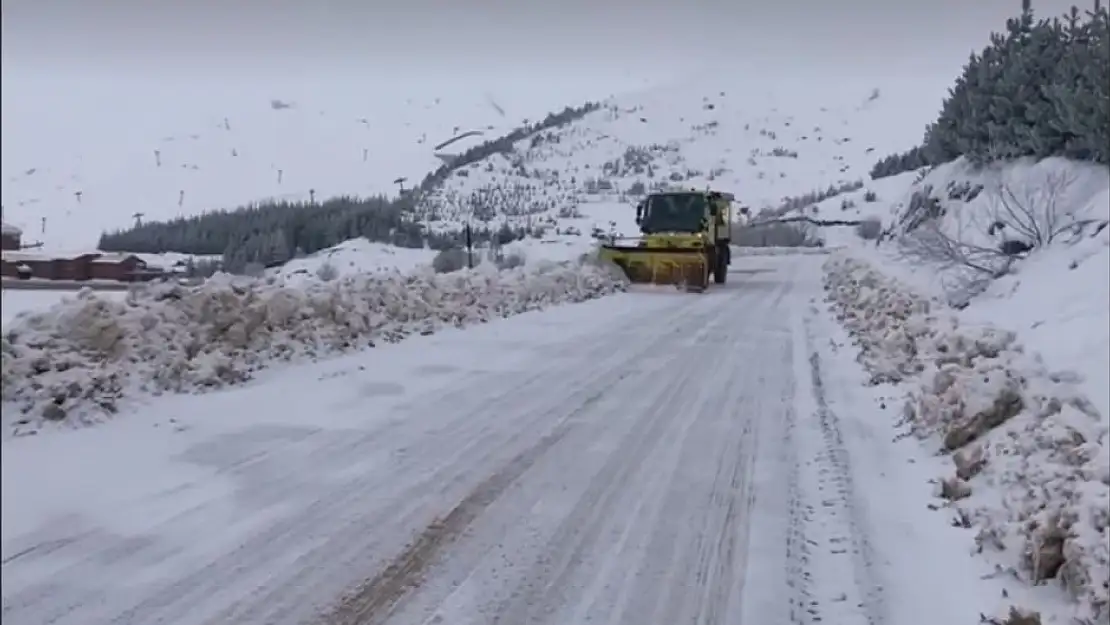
1031	210
569	212
923	206
869	229
327	272
968	268
512	260
452	259
1025	212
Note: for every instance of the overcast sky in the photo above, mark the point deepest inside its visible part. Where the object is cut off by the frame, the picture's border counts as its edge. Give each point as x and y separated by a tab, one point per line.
600	41
87	68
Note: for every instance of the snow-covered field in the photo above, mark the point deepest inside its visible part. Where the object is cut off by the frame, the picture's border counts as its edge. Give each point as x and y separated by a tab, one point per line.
616	461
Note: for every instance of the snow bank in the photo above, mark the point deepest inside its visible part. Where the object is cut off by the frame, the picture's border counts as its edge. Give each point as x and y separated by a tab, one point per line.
77	360
1030	453
352	257
741	250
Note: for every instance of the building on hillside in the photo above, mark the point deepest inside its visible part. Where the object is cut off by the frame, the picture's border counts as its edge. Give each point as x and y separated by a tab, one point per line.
121	267
450	150
11	238
79	268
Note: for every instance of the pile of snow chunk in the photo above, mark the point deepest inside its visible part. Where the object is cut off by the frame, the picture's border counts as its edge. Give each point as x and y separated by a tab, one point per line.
77	360
1031	454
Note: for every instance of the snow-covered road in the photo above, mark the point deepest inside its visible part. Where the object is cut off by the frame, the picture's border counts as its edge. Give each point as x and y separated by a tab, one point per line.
647	459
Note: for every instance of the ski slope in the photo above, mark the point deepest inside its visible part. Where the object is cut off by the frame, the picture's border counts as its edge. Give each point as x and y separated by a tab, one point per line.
620	461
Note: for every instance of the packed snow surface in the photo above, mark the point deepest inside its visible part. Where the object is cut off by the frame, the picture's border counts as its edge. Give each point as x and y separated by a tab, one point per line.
76	360
618	461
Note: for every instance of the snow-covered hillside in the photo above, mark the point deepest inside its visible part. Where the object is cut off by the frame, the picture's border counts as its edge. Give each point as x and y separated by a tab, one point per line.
764	141
944	233
564	185
180	151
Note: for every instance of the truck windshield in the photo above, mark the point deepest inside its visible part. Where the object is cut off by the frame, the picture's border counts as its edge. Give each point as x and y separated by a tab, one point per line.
674	212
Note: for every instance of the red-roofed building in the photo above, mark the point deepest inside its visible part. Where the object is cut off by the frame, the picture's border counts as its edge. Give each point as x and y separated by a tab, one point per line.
10	237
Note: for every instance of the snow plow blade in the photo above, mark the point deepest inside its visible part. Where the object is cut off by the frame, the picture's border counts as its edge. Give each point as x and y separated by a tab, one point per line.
682	267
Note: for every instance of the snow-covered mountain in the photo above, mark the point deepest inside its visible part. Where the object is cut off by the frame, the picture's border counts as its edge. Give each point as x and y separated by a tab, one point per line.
70	175
765	142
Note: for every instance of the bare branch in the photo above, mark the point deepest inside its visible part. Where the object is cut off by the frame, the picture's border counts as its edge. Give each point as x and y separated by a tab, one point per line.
966	268
1032	210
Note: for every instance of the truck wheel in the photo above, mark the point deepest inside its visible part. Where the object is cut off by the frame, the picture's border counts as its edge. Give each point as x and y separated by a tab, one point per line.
720	264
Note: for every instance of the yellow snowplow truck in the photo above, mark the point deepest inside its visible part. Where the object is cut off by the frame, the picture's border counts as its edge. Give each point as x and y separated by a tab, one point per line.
685	240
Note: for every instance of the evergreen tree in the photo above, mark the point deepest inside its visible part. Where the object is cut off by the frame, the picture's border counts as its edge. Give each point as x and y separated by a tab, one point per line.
1041	88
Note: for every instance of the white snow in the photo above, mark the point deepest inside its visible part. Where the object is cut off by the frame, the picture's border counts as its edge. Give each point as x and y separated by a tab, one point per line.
764	142
17	302
354	257
77	360
1056	298
195	144
554	467
934	575
1031	476
1013	380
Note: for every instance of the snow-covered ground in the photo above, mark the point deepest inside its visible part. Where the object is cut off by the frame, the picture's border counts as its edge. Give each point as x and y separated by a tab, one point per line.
1004	375
1055	297
351	258
80	361
615	461
21	302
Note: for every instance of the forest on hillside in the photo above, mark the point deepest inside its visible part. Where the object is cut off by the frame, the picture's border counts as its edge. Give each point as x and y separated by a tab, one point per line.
1040	88
270	233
